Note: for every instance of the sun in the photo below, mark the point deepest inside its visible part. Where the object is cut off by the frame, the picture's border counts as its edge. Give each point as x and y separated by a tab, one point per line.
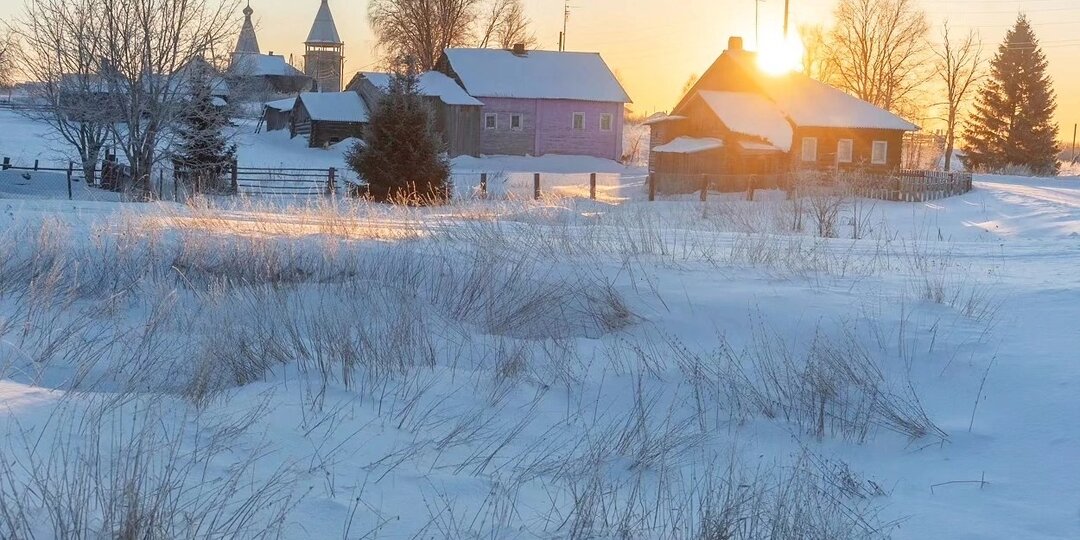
779	55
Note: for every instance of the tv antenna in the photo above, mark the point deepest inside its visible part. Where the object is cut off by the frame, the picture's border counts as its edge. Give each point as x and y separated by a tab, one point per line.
565	21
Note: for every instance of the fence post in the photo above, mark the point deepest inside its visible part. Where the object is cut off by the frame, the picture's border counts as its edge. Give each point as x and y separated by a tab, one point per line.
234	183
750	188
483	186
331	182
652	187
161	184
592	186
71	169
536	186
35	164
704	187
6	165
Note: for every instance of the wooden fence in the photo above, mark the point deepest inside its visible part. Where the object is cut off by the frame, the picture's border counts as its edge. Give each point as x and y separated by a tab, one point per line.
903	185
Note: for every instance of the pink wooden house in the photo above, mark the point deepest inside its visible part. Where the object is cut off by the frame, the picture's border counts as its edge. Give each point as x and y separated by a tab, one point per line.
542	102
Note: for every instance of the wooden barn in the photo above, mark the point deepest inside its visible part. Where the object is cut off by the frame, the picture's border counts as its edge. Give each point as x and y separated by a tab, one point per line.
738	120
328	118
457	115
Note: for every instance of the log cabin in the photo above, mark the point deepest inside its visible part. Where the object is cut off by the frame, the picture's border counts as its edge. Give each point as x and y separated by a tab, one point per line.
738	120
327	118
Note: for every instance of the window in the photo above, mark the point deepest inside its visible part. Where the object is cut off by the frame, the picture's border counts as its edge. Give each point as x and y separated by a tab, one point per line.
880	153
579	121
515	122
843	150
809	149
605	122
491	121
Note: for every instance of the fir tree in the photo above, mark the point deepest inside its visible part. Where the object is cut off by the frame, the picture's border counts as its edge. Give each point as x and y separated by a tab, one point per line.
402	157
203	153
1013	120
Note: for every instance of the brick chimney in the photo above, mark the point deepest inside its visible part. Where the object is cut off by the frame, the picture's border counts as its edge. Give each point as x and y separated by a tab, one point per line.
735	43
519	50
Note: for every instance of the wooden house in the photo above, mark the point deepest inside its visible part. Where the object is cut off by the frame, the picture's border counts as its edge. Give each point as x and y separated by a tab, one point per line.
541	102
328	118
738	120
457	115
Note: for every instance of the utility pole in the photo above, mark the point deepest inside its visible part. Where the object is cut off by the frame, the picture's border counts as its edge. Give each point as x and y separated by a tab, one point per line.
757	24
565	20
787	11
1074	143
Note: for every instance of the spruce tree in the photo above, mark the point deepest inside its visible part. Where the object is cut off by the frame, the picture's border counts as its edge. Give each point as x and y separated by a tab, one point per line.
203	152
1013	122
402	157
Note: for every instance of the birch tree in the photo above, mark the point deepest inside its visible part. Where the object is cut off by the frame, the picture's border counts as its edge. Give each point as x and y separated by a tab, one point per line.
958	67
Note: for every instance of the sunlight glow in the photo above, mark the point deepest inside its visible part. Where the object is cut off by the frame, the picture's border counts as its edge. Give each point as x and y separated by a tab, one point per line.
779	56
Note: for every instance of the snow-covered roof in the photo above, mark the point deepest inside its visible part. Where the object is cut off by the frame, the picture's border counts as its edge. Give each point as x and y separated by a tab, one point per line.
754	146
750	114
335	106
283	105
536	75
689	145
323	30
432	83
810	103
259	65
660	118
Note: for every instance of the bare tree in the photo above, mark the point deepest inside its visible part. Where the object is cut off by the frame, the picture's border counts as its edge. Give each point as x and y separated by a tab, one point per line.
878	52
150	48
7	59
422	29
507	25
958	67
816	62
690	82
60	52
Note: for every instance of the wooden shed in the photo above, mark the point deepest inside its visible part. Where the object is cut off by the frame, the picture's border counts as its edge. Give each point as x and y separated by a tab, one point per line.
277	114
457	115
328	118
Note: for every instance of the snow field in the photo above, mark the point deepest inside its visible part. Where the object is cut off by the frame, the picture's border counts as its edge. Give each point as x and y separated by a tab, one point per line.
508	369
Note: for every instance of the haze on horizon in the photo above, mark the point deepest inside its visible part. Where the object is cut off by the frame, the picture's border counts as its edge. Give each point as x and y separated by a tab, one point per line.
654	48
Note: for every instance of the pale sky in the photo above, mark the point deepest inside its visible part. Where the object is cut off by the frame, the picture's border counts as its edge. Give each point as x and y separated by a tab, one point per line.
654	45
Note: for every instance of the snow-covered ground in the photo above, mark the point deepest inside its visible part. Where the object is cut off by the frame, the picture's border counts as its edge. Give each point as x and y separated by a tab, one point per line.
556	369
561	368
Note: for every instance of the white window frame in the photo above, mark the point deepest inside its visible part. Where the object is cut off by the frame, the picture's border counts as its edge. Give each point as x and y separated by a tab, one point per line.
883	158
494	116
574	121
610	122
520	122
808	149
841	155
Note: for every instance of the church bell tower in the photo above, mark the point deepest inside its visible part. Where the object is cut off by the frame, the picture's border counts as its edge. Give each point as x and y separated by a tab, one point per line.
324	52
